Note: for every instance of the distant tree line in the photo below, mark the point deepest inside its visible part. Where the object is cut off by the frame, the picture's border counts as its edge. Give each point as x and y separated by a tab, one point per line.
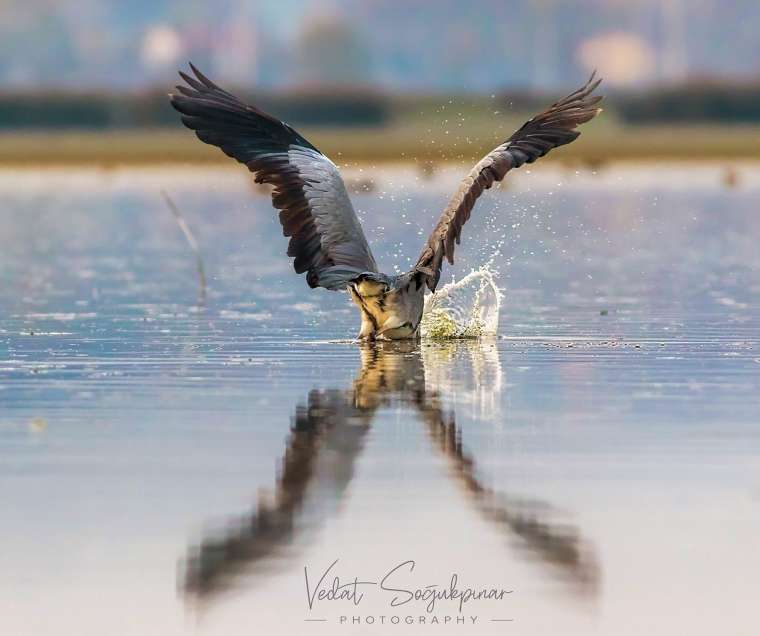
99	111
704	102
691	103
694	102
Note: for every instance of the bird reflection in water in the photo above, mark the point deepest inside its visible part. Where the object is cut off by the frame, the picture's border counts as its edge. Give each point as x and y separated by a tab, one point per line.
327	437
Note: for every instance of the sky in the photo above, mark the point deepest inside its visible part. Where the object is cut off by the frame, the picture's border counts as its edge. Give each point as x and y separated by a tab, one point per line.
399	45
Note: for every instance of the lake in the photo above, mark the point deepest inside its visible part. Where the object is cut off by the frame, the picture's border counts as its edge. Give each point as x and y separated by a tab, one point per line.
224	459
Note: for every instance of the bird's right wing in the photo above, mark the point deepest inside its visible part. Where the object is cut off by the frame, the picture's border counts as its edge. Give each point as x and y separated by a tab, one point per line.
326	237
553	127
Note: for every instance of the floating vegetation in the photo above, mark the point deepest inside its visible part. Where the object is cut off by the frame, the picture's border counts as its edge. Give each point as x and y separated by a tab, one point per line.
427	169
468	308
361	185
730	177
37	425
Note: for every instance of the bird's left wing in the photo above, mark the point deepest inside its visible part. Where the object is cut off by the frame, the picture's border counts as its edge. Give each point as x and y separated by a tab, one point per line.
553	127
326	237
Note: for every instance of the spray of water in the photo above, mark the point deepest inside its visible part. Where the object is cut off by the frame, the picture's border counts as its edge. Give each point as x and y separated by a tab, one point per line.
468	308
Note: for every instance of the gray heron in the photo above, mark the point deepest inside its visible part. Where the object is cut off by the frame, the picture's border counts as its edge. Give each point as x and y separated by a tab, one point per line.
326	238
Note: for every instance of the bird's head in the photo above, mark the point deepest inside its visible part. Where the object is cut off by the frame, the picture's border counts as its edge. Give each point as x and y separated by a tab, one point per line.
391	306
371	284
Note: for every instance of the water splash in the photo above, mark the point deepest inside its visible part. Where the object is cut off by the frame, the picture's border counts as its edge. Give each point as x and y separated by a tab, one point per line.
468	308
466	374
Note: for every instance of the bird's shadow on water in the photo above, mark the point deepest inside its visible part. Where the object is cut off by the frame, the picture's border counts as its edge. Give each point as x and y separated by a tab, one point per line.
327	437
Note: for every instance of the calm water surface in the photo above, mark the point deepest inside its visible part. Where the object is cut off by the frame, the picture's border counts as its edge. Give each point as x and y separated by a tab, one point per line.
171	462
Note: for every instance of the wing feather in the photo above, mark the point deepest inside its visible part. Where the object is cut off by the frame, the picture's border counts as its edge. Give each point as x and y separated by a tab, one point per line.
552	128
326	238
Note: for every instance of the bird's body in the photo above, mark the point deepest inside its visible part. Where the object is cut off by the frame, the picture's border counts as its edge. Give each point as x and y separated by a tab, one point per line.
326	238
391	306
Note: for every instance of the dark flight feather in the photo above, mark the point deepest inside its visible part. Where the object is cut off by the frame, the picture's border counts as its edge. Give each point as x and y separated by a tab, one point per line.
326	238
552	128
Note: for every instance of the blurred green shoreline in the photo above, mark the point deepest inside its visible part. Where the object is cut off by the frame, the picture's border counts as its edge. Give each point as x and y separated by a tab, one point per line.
419	142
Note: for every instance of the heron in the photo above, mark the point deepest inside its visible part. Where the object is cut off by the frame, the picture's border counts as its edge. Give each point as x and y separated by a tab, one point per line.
326	239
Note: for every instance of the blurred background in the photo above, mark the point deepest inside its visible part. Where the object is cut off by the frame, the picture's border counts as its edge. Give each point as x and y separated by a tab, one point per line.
162	398
379	80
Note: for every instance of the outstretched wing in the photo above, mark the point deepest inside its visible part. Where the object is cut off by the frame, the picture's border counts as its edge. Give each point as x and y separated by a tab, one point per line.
552	128
326	237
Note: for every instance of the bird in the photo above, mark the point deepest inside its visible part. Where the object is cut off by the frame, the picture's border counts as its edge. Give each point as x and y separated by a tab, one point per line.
325	236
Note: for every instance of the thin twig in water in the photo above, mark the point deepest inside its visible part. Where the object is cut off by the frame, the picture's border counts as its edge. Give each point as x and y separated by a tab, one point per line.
190	238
